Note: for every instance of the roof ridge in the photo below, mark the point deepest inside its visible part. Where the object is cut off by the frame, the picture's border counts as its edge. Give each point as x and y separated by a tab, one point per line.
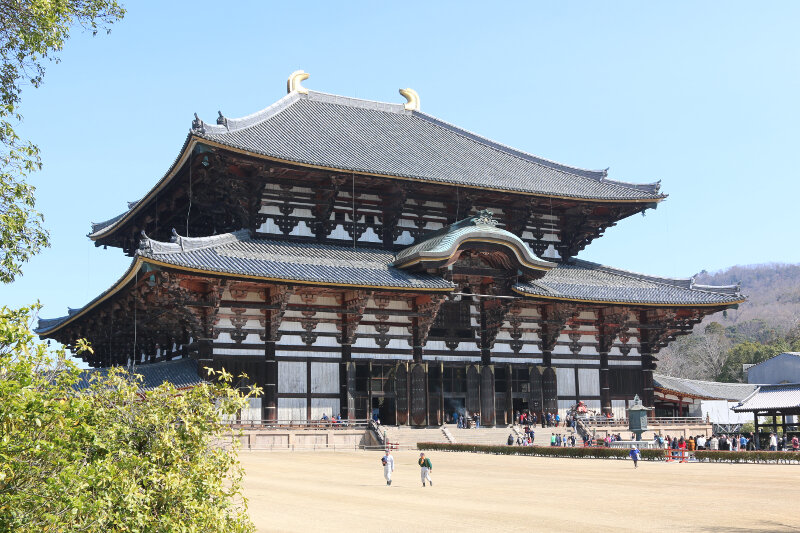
180	244
225	124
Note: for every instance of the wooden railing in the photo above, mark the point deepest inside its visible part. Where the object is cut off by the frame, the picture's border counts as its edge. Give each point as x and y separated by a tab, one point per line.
659	421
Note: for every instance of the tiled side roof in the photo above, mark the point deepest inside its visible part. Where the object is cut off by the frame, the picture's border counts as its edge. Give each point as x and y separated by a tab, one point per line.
585	281
706	389
182	373
380	138
236	253
767	397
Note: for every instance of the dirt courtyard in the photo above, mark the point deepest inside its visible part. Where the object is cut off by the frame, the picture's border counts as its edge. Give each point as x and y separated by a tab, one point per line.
345	491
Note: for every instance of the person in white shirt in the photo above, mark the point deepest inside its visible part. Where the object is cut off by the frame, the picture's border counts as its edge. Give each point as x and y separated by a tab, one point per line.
388	467
701	443
773	442
713	444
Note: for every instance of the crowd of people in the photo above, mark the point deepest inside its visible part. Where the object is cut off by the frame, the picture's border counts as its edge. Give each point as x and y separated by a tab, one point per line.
734	443
547	419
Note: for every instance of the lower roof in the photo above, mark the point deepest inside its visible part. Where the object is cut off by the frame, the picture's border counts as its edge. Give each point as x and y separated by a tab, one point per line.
771	398
182	373
711	390
579	280
238	255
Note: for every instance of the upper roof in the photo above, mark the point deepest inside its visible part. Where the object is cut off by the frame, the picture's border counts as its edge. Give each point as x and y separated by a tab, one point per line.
769	397
580	280
339	133
704	389
443	244
387	139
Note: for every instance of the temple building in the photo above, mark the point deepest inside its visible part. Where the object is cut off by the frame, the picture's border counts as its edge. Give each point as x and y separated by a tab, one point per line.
351	255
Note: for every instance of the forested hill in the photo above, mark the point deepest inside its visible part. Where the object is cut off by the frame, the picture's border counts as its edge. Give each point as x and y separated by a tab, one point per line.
772	290
765	325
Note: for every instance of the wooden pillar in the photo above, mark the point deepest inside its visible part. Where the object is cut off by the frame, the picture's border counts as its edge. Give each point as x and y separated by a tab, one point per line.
270	399
509	396
645	351
605	384
756	436
347	402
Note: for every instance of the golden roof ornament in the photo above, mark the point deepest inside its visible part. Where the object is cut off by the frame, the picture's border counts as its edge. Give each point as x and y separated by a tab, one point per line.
413	99
293	83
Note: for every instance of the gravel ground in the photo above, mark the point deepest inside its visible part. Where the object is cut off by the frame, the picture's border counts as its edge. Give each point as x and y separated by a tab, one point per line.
345	491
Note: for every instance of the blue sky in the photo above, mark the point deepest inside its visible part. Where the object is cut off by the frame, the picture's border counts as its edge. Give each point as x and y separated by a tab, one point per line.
702	96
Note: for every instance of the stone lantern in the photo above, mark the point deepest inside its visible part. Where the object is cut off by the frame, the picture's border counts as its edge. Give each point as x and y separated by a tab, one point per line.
637	417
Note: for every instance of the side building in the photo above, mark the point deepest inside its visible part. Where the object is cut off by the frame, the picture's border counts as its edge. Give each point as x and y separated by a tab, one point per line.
351	255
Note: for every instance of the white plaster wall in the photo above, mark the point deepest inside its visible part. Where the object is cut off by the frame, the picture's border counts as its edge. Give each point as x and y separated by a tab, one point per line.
566	381
291	377
404	238
293	409
308	353
369	236
324	406
238	351
252	413
324	378
589	381
302	230
618	409
592	405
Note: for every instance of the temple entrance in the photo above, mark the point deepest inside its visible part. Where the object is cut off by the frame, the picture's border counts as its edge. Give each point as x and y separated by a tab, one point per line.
384	409
520	405
454	406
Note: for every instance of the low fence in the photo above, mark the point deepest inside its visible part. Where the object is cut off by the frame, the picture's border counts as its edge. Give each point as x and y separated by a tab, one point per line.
301	424
588	452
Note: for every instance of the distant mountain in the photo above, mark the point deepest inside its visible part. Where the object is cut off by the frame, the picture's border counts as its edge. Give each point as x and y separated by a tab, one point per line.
773	295
767	323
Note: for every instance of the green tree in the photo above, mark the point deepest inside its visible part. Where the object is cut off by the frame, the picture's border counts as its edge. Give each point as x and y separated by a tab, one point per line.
111	457
32	32
748	352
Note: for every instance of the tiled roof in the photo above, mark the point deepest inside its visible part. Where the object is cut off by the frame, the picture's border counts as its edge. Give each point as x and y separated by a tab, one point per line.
786	396
386	139
585	281
706	389
182	373
443	243
236	253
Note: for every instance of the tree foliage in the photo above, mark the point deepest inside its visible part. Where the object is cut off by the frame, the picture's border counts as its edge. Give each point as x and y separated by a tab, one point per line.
32	32
108	457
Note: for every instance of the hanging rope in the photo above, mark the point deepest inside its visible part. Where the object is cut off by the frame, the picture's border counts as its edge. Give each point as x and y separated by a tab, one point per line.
135	287
189	210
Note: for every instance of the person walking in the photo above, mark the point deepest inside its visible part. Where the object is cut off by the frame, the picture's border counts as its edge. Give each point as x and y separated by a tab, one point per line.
425	469
388	467
635	455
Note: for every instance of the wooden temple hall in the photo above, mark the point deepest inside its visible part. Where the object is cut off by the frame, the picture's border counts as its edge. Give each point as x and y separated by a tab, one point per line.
351	255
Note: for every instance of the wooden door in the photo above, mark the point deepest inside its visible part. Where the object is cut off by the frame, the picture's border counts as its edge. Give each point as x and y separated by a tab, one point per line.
473	390
535	403
419	395
550	390
401	393
487	396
